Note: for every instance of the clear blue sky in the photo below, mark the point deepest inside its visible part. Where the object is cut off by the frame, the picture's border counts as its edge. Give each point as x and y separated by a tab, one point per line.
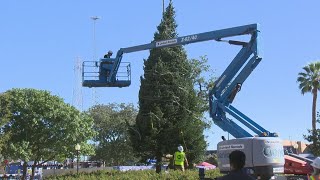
41	40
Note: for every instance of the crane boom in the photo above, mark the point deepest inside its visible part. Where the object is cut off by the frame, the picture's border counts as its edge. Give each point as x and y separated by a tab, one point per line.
194	38
226	87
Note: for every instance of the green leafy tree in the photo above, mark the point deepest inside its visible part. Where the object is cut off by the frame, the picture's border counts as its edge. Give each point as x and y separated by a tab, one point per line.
309	81
170	111
203	80
314	138
212	159
111	123
4	118
42	127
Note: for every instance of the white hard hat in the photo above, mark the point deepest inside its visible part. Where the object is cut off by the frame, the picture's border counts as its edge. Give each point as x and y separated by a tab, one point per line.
180	148
316	163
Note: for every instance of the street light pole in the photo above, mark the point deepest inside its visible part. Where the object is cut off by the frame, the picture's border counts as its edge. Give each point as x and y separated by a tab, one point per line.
77	162
94	18
77	147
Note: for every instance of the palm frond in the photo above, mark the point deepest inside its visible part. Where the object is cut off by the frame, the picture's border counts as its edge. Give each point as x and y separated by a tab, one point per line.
307	69
317	65
309	78
312	67
303	74
301	79
305	84
306	89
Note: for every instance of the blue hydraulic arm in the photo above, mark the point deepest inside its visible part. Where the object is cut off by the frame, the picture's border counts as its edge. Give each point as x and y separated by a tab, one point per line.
226	87
109	67
229	84
194	38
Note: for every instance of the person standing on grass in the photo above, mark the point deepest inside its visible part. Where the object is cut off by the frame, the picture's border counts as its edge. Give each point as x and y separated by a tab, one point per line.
179	159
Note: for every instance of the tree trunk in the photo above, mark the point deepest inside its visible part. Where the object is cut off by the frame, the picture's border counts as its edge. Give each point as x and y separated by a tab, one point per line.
158	164
314	106
33	168
314	118
24	175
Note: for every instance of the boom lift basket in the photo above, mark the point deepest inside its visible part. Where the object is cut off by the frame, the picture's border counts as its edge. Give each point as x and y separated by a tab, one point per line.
97	74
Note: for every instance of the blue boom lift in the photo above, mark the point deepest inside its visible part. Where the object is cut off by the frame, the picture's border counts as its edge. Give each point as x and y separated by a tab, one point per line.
264	151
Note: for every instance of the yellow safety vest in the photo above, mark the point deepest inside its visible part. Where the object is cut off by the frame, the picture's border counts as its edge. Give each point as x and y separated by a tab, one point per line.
179	158
313	178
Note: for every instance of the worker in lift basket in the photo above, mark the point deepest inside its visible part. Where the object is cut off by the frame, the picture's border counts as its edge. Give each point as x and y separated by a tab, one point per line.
237	161
108	55
316	169
179	159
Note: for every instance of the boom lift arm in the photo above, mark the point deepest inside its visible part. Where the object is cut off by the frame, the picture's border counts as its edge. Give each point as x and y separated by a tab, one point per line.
226	87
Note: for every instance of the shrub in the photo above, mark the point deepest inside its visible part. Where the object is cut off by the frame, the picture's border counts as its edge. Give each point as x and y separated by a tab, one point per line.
136	175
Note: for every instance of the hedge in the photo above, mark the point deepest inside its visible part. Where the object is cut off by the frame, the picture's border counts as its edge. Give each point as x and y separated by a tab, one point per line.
137	175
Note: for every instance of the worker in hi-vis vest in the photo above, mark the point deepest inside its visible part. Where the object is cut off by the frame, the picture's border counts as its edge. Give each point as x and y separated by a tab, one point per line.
179	159
316	169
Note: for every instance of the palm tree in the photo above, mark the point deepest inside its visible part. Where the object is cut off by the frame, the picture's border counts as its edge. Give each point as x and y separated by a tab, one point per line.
309	81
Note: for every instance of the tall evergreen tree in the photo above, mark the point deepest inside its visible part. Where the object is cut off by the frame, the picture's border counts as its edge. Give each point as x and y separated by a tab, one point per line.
169	111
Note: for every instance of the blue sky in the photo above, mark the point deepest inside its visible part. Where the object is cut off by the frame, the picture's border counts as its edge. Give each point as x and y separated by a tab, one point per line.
41	41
